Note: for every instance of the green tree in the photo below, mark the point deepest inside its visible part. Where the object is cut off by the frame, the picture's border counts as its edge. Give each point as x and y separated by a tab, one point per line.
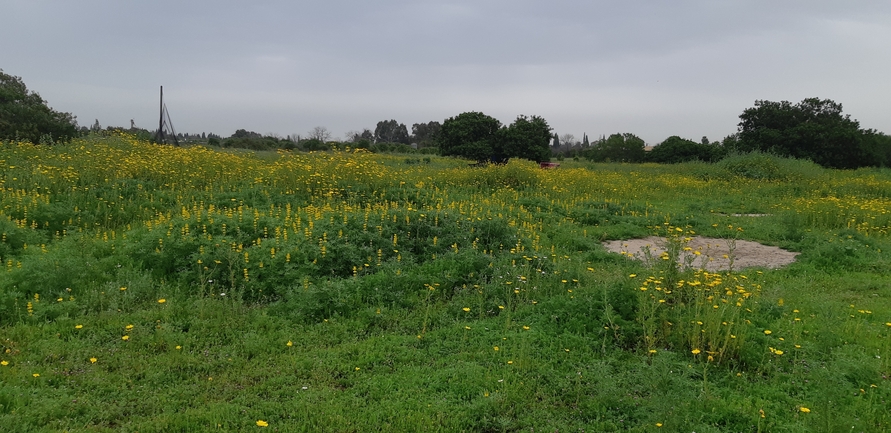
676	149
424	134
24	115
617	148
474	135
526	138
390	131
877	147
813	129
471	135
255	141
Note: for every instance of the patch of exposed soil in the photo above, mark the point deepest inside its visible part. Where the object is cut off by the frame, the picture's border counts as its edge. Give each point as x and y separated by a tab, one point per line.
714	254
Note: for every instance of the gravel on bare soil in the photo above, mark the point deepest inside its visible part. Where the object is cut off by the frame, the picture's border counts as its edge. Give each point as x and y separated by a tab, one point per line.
714	254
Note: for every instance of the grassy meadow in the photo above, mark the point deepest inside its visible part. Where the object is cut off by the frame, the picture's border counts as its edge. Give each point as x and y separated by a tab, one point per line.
162	289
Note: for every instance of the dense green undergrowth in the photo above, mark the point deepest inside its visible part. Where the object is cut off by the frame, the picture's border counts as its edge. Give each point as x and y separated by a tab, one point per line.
166	289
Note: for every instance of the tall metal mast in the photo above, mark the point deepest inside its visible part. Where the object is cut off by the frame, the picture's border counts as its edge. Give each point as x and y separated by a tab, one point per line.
161	118
164	119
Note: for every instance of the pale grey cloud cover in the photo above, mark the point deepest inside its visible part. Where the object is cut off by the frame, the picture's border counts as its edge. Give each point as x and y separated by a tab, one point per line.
653	68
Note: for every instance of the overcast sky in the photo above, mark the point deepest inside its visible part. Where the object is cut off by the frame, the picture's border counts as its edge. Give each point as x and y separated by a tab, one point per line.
652	68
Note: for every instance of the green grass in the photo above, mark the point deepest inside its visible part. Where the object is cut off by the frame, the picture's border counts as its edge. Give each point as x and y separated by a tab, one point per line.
356	292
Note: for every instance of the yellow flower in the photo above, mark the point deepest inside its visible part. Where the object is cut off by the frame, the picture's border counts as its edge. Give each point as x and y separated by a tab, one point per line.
525	328
261	423
768	332
178	347
804	409
4	363
658	424
36	375
289	343
128	327
510	362
162	300
93	360
123	288
696	351
496	348
78	326
466	309
125	338
632	275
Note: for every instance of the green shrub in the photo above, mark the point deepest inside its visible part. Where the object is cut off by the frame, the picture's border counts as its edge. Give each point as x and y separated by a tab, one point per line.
765	166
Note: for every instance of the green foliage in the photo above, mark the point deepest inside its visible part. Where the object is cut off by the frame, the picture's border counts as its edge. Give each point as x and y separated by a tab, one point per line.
425	134
391	148
766	166
390	131
518	175
877	147
526	138
617	148
476	136
341	291
470	135
25	116
847	250
244	139
676	149
313	144
813	129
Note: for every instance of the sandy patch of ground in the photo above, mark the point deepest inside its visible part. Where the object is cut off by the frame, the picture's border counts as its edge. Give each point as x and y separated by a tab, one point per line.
714	254
755	215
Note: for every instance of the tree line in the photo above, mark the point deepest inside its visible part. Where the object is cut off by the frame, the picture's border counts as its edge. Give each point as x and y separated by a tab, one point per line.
814	129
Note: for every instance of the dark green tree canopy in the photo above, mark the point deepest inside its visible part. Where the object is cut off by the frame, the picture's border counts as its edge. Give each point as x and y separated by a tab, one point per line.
24	115
390	131
471	135
625	147
474	135
813	129
424	134
242	133
526	138
877	147
676	149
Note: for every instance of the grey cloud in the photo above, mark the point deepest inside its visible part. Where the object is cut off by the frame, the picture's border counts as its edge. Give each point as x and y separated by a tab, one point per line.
654	68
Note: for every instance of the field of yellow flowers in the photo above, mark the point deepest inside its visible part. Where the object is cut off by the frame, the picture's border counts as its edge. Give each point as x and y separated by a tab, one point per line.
152	288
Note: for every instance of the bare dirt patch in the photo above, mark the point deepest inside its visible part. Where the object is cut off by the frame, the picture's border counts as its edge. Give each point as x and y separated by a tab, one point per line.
714	254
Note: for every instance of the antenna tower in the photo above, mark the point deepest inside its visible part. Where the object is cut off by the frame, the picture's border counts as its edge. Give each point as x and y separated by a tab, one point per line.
165	134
